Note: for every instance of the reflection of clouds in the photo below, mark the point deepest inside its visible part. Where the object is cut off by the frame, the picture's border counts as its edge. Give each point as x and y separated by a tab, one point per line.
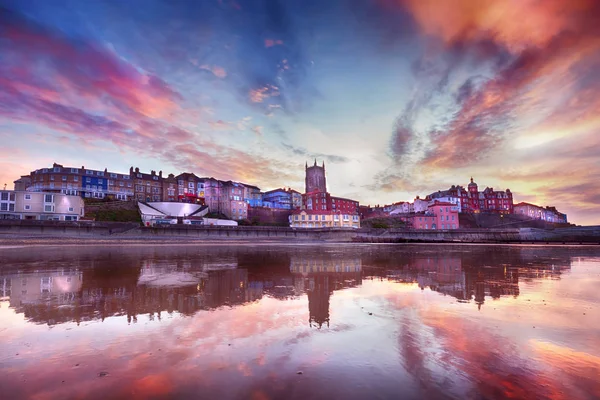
431	344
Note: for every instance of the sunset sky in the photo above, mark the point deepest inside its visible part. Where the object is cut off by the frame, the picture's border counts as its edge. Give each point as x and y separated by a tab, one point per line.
398	97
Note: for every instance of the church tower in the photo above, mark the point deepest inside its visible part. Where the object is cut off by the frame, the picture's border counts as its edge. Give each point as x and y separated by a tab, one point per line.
315	178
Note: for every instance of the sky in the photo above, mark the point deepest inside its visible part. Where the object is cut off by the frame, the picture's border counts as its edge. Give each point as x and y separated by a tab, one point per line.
398	97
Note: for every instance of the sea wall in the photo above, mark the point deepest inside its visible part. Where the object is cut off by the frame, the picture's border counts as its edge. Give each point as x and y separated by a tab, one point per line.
62	228
15	228
245	233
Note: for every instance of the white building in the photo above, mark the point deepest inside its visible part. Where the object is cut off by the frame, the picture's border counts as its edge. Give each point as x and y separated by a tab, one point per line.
420	205
40	206
447	199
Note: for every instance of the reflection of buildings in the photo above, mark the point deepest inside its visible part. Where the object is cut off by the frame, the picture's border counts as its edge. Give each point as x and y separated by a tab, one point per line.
449	276
152	282
318	276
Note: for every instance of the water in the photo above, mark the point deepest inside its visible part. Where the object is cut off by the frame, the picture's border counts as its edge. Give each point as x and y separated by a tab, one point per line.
269	322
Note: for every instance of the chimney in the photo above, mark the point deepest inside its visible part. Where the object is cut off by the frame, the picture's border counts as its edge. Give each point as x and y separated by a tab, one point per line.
160	174
83	167
153	172
105	170
130	170
137	170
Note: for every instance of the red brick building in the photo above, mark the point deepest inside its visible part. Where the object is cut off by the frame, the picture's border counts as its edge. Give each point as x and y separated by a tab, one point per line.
325	201
472	200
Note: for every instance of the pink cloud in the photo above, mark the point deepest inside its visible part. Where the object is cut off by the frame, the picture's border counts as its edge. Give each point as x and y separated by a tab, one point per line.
273	42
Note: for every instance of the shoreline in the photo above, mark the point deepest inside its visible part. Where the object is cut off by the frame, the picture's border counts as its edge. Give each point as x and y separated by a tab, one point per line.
27	241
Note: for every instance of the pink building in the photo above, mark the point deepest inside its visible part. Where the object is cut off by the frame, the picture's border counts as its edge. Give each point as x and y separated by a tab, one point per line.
439	215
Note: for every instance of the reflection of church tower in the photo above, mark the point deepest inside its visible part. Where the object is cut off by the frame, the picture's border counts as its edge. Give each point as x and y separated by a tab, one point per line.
315	178
318	300
479	291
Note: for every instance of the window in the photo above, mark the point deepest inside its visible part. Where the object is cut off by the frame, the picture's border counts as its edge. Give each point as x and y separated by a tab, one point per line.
52	186
155	178
322	217
74	170
355	218
45	170
310	217
114	175
88	172
51	177
48	208
453	226
4	196
99	173
56	169
100	181
75	179
296	217
3	206
453	218
336	217
48	198
303	217
125	177
88	179
11	207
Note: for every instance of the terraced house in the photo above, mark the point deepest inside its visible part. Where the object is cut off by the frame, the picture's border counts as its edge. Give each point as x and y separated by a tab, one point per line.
83	182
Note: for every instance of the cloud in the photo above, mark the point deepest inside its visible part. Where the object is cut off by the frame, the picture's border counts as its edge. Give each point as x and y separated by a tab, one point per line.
301	151
261	94
36	57
272	42
217	71
258	130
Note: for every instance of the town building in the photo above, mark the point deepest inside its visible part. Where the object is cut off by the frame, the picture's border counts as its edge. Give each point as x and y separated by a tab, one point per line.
253	196
84	182
190	188
420	205
170	188
323	219
316	197
439	215
315	180
231	201
22	183
282	198
46	206
147	187
474	201
278	198
402	207
548	214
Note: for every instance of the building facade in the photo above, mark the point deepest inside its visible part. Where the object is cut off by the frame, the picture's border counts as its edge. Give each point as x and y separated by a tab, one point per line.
439	215
323	219
84	182
147	187
232	202
190	188
548	214
170	188
472	200
253	196
315	180
46	206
